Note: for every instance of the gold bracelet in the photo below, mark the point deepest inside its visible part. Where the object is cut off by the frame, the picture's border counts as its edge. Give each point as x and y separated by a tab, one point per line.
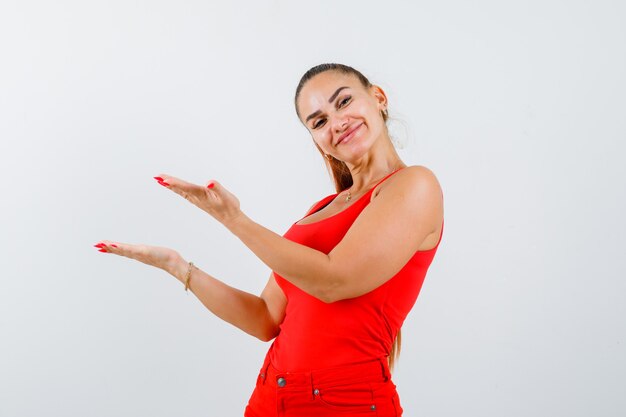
188	276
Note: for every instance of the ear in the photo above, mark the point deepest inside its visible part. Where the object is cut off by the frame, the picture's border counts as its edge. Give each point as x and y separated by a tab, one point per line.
380	96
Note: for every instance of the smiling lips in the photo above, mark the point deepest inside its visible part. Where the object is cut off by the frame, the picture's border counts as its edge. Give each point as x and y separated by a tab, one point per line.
349	134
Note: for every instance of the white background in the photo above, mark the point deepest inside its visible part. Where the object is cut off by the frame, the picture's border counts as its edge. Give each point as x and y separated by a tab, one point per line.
518	107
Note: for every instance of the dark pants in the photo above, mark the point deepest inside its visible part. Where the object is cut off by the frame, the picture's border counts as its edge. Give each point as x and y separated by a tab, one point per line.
363	389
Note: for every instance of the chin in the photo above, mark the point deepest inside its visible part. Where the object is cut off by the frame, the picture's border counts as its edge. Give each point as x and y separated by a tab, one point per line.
357	153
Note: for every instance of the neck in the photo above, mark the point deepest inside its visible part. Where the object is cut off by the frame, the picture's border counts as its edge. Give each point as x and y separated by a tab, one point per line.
351	192
380	160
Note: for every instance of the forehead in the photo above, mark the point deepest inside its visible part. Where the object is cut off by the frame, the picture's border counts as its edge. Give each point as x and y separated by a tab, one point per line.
316	92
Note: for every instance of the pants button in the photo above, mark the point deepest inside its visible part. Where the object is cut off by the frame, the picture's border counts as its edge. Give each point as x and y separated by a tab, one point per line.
281	382
316	391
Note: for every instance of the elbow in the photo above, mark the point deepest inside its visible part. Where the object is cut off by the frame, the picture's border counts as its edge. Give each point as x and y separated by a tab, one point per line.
328	299
327	296
269	334
331	293
334	287
264	338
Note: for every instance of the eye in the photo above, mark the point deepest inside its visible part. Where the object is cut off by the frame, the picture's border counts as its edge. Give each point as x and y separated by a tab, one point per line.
341	104
317	124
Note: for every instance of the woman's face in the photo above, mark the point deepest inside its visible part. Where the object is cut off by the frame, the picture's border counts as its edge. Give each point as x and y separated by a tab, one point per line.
343	116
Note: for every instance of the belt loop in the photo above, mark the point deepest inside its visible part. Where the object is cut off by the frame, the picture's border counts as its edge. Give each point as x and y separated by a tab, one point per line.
312	384
266	364
385	368
264	373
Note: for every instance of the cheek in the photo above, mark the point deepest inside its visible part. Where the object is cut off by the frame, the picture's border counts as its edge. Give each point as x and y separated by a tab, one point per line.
320	139
367	113
322	136
374	117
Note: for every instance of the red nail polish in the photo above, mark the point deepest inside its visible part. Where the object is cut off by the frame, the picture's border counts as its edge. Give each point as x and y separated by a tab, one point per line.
102	250
211	185
115	246
99	245
163	183
158	178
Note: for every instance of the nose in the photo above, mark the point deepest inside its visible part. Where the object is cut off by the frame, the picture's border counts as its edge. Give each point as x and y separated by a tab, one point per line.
340	124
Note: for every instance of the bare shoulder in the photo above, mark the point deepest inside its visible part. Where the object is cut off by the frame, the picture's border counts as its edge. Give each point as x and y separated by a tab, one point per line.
417	188
413	178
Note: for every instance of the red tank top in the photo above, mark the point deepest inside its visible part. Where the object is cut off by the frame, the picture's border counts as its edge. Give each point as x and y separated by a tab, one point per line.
315	334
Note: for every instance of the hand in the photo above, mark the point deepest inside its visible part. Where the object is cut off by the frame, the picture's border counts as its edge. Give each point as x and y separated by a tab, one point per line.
215	200
162	258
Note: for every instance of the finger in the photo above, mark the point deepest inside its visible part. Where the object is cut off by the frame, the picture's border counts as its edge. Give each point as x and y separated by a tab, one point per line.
109	247
173	182
186	194
212	189
214	185
183	188
168	180
161	181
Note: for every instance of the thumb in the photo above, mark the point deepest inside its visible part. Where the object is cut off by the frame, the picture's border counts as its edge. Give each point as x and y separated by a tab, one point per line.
217	191
217	188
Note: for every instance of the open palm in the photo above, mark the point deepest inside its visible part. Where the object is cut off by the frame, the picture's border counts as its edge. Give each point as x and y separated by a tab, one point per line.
212	198
160	257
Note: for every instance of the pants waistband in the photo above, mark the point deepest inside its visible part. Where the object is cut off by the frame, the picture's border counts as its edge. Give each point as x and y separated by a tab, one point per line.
376	370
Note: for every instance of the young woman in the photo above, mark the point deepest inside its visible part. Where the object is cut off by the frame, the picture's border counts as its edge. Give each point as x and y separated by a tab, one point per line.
344	276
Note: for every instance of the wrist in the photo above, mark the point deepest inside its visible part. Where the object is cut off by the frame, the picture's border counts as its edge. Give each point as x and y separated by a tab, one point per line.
178	268
235	222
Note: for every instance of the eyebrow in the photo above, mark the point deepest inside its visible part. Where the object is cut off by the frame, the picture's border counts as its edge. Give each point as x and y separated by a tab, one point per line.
330	100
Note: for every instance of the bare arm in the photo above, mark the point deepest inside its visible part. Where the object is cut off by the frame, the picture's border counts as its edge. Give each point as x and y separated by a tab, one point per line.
259	316
407	211
385	235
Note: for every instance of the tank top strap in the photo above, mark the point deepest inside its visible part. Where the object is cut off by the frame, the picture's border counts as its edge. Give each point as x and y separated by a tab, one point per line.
326	200
384	178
